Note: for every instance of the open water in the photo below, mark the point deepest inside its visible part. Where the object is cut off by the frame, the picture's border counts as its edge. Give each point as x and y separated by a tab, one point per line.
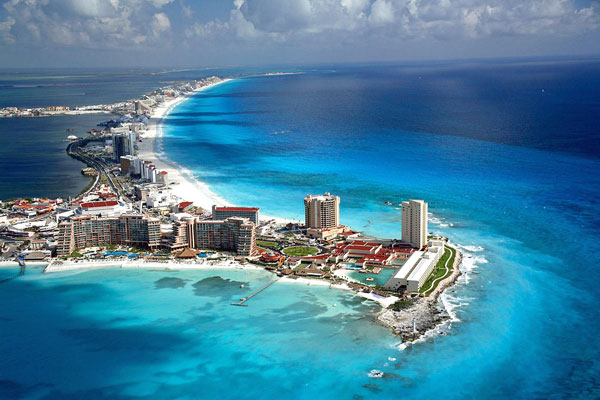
507	155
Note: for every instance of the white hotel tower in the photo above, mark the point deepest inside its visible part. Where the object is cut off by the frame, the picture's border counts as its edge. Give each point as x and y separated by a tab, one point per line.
414	223
322	211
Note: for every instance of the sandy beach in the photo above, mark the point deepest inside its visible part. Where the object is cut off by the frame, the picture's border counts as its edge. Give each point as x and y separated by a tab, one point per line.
186	185
137	264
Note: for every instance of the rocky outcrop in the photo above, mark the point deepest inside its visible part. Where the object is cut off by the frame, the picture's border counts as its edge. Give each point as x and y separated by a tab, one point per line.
427	312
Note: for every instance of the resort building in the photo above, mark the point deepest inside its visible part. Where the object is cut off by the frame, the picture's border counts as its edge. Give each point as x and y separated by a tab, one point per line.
108	208
123	144
327	233
131	165
221	213
322	211
128	230
234	233
415	271
414	223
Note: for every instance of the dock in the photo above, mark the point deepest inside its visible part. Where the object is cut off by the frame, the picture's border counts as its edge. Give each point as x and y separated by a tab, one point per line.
245	299
21	272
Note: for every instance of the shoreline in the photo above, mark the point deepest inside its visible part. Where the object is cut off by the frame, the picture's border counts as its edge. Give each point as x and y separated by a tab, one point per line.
428	313
186	185
430	310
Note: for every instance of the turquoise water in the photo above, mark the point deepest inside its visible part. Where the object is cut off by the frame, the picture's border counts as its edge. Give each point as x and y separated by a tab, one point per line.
378	279
509	172
117	333
510	175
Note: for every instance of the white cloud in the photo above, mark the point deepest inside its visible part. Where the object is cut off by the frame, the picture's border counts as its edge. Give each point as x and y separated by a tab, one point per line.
5	27
92	23
382	12
408	18
160	24
323	24
160	3
187	10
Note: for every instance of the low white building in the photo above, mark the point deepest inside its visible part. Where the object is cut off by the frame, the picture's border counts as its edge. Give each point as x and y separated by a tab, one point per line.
417	268
159	199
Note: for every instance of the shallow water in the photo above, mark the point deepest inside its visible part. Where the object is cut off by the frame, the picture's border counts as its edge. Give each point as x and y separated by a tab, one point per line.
521	204
126	333
509	175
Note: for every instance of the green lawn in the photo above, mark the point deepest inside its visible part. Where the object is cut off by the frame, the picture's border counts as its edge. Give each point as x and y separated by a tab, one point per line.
268	244
439	271
300	251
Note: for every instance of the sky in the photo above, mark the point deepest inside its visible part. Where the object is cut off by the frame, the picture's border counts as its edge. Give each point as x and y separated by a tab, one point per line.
186	33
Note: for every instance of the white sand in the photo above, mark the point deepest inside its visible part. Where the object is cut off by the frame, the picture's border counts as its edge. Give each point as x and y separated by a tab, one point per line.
170	265
187	187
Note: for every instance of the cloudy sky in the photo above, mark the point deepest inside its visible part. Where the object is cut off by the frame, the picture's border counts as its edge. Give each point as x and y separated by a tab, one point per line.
51	33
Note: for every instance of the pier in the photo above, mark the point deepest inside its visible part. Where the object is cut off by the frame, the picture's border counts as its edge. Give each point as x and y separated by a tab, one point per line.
245	299
21	272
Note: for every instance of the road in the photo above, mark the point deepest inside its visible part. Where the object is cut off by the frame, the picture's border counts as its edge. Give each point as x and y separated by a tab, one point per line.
102	169
7	255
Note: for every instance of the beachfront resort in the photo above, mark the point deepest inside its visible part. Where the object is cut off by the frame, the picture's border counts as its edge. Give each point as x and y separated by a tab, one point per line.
140	211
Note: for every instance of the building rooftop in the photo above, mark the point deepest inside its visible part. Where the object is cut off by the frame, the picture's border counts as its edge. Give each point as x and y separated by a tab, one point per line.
251	209
94	204
405	270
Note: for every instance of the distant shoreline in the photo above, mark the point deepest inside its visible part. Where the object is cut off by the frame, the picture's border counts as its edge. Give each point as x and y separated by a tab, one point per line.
187	186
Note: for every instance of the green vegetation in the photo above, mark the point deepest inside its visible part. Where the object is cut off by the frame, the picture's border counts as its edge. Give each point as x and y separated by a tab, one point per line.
267	244
76	254
300	251
402	304
439	271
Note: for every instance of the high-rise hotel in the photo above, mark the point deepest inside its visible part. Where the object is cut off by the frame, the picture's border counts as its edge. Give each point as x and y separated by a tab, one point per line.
322	211
414	223
129	230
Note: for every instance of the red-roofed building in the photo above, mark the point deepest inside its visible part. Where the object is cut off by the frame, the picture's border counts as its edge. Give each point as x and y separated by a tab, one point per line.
271	258
104	208
185	206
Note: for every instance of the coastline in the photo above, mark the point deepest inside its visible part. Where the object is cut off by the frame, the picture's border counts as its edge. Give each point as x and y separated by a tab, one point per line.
430	311
427	313
186	185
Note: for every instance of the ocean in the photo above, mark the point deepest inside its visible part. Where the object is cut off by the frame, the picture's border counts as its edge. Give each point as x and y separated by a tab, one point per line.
505	152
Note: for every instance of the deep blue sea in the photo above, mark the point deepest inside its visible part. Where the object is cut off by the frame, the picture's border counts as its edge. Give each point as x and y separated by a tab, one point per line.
506	153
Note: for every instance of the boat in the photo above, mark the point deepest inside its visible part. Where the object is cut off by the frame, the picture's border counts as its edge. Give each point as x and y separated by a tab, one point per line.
370	279
388	203
242	285
72	137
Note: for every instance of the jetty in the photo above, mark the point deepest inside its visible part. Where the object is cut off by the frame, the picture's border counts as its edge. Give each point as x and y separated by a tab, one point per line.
243	301
21	272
